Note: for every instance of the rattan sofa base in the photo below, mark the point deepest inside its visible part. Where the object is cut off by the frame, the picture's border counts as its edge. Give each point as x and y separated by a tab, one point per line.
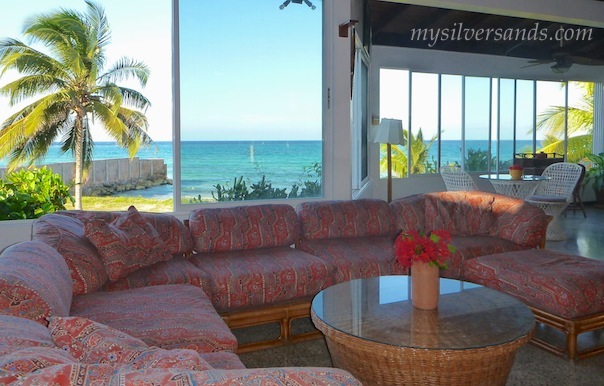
283	314
381	364
571	328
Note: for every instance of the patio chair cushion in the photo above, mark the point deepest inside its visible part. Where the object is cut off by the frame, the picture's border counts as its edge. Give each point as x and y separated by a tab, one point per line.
545	198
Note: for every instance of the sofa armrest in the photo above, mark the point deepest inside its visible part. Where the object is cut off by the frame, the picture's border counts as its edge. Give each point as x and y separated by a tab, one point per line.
34	282
519	222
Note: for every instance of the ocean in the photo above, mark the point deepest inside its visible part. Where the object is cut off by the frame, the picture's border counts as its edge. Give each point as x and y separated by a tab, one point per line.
207	163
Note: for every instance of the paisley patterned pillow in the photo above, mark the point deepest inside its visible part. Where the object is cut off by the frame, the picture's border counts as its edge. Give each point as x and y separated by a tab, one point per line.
126	244
92	343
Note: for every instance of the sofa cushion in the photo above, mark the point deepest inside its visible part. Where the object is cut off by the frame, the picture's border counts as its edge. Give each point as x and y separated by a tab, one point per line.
345	219
173	232
17	333
65	374
469	247
465	213
27	360
103	374
225	360
66	235
461	213
167	316
243	227
355	258
34	282
265	276
126	244
561	284
92	342
178	270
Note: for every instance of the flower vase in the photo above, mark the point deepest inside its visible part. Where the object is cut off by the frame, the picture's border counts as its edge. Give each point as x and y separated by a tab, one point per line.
425	285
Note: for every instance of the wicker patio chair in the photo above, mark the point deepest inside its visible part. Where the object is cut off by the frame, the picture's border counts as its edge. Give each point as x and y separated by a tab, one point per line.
457	179
554	194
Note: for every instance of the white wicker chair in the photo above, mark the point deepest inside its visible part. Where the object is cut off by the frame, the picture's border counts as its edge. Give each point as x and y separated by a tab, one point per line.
554	194
457	179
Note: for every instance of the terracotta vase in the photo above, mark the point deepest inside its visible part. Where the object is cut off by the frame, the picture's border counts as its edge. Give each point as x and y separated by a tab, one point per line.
425	286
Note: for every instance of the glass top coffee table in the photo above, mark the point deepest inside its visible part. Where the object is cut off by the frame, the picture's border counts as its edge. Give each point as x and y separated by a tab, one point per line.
373	331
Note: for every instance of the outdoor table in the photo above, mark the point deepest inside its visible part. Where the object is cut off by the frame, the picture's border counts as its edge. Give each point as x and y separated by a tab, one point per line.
505	185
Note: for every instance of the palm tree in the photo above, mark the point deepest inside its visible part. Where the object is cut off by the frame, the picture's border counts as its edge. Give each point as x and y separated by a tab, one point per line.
73	90
580	126
419	155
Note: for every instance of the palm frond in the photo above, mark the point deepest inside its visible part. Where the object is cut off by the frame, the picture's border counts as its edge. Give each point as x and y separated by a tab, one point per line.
124	69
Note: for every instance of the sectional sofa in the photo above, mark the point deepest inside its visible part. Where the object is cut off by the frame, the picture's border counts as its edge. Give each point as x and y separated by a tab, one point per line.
171	285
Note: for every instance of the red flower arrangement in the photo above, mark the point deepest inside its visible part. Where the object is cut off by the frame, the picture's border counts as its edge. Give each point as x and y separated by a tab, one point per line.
433	249
515	167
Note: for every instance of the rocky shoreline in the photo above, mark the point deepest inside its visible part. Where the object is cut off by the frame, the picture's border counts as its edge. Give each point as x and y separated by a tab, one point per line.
110	188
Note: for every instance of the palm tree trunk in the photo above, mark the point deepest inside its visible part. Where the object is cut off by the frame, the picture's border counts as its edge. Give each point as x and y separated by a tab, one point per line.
79	164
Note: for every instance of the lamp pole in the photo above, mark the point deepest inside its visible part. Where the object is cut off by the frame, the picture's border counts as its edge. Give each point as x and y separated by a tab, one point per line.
389	150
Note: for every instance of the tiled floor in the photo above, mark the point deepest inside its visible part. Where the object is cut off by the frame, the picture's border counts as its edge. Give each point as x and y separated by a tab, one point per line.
585	235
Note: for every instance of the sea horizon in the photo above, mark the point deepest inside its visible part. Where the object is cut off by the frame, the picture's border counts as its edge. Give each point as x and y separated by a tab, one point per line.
204	164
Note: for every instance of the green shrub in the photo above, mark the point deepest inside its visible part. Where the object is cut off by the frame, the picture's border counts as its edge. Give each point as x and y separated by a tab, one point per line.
31	193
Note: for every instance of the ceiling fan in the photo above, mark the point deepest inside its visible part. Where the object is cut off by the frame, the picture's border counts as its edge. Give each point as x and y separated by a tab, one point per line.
307	2
562	62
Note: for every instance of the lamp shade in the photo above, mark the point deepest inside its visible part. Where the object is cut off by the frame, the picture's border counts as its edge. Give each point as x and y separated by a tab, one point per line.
389	131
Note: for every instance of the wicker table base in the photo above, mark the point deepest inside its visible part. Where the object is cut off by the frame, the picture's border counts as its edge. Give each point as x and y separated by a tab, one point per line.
471	339
381	364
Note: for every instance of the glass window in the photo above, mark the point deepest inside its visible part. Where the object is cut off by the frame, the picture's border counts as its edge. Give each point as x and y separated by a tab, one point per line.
424	123
250	100
451	120
394	103
477	124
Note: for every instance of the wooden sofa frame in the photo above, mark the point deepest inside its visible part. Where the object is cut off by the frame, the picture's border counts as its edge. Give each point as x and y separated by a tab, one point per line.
571	328
283	314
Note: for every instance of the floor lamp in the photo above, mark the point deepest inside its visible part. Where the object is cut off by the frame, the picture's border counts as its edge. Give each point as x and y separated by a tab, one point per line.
389	131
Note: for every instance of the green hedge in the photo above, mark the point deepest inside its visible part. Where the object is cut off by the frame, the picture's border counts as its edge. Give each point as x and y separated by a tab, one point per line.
31	193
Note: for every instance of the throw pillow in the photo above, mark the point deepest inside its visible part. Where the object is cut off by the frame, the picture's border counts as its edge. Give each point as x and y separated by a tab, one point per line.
92	343
126	244
30	359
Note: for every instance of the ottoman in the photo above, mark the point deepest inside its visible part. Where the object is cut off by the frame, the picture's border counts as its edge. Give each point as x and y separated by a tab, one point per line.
564	291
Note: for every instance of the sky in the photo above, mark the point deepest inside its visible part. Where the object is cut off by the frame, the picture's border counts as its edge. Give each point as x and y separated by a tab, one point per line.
237	84
394	86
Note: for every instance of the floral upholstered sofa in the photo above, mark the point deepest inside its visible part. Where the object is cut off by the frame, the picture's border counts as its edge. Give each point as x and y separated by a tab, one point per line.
185	285
163	334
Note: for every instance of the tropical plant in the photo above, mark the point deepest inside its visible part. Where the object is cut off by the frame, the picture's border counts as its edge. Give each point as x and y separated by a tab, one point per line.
31	193
580	126
72	90
595	173
420	150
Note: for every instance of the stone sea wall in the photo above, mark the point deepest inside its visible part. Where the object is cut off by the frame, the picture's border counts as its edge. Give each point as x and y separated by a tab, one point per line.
110	176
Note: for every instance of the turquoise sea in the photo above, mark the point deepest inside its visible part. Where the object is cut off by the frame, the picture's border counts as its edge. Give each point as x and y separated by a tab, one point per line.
207	163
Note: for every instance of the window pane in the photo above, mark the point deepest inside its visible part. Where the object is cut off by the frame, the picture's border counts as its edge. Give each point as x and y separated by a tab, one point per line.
250	100
477	124
550	102
504	138
394	103
424	122
112	174
451	102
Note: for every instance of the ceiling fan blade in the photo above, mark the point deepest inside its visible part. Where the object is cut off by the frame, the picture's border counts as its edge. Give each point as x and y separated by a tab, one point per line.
586	61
